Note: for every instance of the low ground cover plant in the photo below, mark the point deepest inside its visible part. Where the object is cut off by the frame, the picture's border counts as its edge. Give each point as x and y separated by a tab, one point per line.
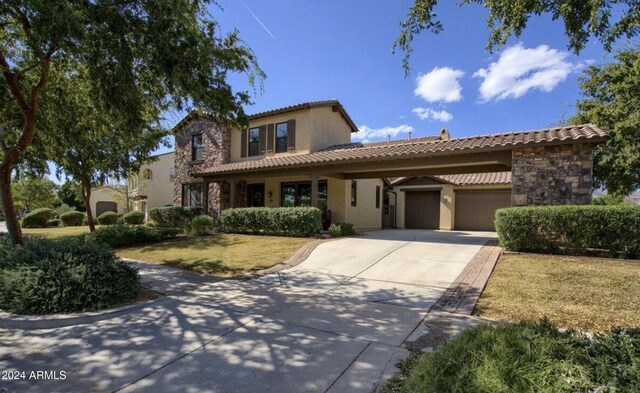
56	276
38	218
575	230
282	221
341	229
525	357
72	218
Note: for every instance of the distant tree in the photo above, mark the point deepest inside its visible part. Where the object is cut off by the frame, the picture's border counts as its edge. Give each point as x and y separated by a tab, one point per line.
170	50
611	199
582	20
31	193
70	194
611	99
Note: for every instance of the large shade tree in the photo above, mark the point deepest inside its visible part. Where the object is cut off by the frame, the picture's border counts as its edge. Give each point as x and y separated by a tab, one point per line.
611	99
605	20
169	50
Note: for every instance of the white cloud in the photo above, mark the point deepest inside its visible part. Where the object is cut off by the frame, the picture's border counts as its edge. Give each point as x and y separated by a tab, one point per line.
367	134
521	69
430	114
440	85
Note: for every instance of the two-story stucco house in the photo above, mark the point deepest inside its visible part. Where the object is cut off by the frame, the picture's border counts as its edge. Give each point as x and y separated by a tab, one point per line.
302	155
152	186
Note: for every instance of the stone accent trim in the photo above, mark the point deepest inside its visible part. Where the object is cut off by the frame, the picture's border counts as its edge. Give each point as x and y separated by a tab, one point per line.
552	175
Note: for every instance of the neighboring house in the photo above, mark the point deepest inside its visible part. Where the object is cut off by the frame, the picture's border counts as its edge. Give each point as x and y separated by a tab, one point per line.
302	155
152	186
107	198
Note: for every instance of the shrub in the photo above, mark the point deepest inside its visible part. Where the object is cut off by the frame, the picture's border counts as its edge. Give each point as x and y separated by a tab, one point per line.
174	216
54	223
341	229
108	218
67	275
120	219
525	357
134	218
60	210
38	218
202	224
128	235
72	218
151	224
85	220
282	221
574	230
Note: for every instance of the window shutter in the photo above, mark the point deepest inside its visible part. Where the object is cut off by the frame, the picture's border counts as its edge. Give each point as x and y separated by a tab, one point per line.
243	143
291	134
263	140
271	138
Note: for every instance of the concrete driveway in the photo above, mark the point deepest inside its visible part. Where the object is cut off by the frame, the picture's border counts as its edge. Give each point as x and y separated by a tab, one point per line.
409	268
335	323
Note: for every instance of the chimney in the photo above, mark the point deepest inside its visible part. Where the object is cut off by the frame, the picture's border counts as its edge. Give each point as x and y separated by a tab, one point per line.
409	134
388	137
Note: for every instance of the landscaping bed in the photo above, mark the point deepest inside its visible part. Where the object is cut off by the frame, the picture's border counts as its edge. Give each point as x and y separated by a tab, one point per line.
594	294
220	255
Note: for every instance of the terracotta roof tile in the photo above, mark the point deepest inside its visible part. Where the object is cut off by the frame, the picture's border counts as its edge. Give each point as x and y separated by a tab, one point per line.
420	147
472	179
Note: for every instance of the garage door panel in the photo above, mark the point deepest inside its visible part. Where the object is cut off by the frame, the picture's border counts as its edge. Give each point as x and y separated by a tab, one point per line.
422	210
475	210
104	206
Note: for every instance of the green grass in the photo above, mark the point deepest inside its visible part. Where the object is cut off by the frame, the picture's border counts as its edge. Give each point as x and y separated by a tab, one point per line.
524	357
51	233
574	292
221	255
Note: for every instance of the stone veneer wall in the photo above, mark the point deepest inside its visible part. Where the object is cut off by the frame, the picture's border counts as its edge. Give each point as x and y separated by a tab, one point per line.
216	143
552	175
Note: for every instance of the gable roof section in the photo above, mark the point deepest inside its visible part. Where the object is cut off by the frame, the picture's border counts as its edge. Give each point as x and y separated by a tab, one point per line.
465	179
421	147
335	104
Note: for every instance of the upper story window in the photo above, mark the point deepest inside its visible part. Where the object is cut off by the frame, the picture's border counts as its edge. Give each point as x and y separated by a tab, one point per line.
281	137
254	142
147	174
196	147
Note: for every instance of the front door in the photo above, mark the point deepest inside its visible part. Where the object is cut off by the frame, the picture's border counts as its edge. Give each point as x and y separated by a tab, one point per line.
255	195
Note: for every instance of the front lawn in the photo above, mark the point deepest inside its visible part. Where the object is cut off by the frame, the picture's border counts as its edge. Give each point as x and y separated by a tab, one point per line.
575	292
220	255
57	231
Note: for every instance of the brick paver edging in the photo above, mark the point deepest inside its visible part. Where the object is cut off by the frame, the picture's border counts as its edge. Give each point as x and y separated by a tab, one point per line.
463	294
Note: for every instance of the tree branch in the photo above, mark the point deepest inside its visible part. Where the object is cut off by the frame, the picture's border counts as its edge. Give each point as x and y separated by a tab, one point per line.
12	81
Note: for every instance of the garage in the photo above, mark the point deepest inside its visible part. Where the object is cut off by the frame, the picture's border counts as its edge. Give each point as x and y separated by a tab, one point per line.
104	206
475	209
422	210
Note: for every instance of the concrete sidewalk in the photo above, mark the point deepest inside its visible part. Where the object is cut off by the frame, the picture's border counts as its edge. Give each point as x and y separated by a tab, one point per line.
319	331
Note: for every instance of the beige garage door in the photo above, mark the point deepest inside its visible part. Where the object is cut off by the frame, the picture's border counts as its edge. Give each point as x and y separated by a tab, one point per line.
475	210
422	210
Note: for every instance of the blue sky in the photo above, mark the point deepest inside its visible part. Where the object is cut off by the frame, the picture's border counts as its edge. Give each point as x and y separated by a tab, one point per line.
342	49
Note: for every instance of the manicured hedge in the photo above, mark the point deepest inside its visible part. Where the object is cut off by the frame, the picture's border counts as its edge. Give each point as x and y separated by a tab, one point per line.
54	223
66	275
573	230
72	218
108	218
128	235
134	218
174	216
282	221
201	225
38	218
341	229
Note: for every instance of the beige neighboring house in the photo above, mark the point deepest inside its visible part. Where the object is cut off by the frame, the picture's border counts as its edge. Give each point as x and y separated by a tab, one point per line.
107	198
302	155
153	185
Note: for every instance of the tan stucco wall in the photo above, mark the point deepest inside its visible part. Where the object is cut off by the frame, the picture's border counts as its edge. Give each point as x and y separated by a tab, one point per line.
364	215
160	189
316	129
106	194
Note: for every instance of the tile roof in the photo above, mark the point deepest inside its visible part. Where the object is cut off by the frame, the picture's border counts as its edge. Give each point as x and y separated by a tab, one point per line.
420	147
473	179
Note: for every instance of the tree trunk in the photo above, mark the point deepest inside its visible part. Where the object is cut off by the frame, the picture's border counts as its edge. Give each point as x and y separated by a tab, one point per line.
86	193
10	216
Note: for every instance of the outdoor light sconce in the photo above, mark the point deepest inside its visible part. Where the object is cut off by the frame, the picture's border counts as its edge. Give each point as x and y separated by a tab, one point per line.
270	195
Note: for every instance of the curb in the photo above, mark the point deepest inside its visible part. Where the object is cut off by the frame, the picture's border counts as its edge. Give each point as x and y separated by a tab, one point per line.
38	322
297	258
